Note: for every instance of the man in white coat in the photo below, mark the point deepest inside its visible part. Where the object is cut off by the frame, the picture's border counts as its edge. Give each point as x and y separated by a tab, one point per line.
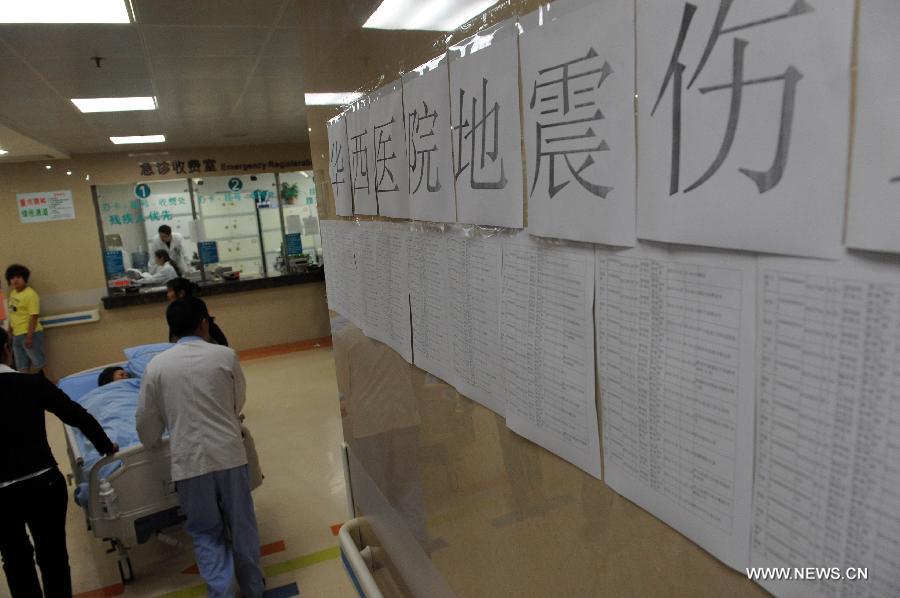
196	391
173	243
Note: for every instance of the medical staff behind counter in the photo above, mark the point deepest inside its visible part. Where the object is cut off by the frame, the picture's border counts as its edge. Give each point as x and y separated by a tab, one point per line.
173	244
32	490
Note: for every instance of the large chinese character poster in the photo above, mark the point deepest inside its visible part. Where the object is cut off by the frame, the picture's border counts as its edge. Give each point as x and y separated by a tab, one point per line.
874	212
486	130
388	143
743	119
426	100
578	98
361	158
339	166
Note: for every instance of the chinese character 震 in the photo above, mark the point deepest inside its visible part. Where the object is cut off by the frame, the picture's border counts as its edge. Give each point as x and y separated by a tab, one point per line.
566	98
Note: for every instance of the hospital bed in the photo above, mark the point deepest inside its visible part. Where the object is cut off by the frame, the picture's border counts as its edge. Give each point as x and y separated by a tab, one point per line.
141	478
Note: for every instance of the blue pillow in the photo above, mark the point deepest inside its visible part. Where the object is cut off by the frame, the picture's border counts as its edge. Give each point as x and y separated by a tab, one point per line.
138	357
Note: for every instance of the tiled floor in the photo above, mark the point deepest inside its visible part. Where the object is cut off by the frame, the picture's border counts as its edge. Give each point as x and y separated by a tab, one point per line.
293	413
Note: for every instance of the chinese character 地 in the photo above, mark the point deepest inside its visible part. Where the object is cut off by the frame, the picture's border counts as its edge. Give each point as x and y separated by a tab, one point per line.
765	180
489	125
567	100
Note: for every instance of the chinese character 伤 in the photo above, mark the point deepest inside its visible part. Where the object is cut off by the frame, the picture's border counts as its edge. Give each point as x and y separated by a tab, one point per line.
566	98
789	78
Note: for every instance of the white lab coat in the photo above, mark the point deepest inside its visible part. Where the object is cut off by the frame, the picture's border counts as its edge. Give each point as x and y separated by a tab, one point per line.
176	252
160	276
196	391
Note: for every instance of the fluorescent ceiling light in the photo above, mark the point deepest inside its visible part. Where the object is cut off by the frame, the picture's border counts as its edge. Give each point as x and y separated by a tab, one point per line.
3	152
138	139
331	99
428	15
64	11
115	104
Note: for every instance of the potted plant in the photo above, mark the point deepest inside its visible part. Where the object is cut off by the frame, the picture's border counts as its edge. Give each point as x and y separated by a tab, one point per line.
289	193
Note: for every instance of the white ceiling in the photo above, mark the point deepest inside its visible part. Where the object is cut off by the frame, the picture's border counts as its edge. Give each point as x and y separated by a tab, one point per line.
226	72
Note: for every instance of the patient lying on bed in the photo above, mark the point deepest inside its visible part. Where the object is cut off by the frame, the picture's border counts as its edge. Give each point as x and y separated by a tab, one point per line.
113	373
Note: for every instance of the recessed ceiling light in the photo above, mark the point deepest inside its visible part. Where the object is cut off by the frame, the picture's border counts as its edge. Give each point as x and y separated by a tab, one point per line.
68	173
115	104
87	177
64	11
428	15
138	139
332	98
48	167
3	152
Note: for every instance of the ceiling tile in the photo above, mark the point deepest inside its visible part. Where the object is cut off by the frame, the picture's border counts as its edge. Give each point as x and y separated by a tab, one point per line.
208	13
192	67
200	41
84	41
102	87
77	68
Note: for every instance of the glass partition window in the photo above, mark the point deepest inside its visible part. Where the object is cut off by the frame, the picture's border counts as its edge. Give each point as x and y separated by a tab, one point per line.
228	227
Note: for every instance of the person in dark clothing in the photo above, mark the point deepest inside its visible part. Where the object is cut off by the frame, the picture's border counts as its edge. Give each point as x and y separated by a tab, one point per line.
33	491
182	288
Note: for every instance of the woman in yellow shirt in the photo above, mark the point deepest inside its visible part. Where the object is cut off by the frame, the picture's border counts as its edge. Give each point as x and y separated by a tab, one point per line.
26	330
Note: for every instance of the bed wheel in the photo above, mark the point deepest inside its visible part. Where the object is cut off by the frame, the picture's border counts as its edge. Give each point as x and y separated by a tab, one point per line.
125	572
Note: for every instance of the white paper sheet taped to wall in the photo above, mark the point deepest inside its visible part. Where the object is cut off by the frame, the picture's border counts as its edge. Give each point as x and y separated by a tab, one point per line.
473	269
675	353
486	130
874	214
339	166
388	312
426	102
547	343
361	154
428	289
827	483
578	102
743	115
389	174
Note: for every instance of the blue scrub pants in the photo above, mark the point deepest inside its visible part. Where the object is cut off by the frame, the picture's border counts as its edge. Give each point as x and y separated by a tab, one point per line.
221	521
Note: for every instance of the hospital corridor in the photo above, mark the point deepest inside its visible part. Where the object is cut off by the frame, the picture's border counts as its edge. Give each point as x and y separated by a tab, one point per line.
297	506
450	298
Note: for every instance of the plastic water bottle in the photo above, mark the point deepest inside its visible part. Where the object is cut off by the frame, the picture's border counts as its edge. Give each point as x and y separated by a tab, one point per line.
109	501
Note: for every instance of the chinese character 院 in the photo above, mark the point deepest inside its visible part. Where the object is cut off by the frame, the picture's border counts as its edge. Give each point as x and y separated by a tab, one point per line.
565	96
788	78
422	143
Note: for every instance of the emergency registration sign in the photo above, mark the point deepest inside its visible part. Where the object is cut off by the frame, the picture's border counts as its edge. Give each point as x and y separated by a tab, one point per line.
45	206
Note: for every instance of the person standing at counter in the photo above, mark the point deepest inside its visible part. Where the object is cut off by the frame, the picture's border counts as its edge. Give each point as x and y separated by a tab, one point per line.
182	288
173	244
24	323
33	492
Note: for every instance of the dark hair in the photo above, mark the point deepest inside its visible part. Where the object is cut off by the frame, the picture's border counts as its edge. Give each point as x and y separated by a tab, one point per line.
164	229
17	270
106	376
184	316
164	255
181	285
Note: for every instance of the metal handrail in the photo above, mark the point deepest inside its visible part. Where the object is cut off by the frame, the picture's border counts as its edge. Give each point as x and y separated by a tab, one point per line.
355	559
